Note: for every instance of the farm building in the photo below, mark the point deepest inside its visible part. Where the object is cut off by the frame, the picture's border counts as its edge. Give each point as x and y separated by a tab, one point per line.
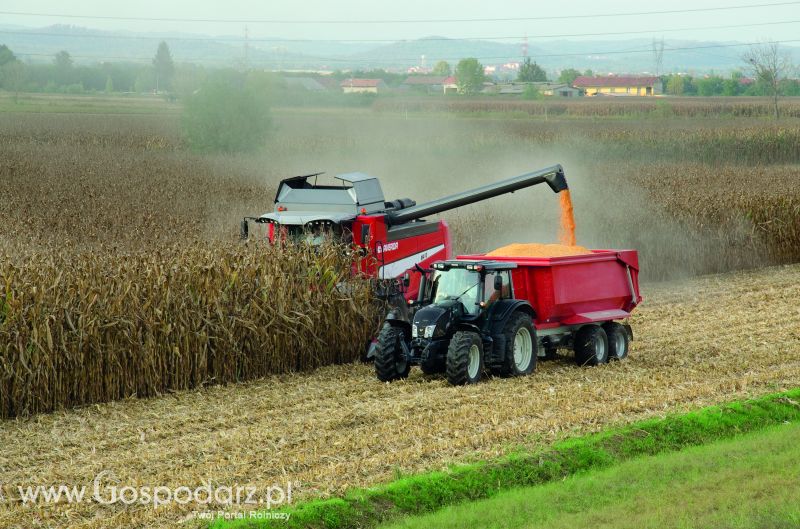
620	85
363	86
544	88
305	83
424	83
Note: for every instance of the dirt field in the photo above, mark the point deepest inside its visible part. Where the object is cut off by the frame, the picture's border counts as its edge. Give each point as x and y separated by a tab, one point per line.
703	341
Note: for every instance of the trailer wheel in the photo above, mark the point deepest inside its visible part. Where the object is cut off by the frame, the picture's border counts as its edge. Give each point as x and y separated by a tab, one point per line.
591	346
464	358
390	361
521	346
618	342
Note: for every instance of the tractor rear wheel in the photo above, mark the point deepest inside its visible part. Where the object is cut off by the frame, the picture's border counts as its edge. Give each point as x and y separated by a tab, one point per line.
521	346
618	341
390	359
464	358
591	346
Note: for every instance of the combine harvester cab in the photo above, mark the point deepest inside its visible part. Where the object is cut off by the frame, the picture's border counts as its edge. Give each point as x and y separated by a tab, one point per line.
500	314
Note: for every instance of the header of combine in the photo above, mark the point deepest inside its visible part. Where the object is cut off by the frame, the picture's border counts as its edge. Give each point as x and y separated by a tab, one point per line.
393	232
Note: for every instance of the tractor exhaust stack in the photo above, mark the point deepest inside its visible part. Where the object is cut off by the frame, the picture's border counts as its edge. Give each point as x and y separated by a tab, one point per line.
552	176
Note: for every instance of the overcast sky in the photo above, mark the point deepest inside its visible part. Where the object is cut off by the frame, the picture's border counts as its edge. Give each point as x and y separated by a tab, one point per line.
306	10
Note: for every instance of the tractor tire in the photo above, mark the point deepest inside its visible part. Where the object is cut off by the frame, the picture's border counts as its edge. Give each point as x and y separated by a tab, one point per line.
591	346
390	361
464	358
521	346
432	366
618	341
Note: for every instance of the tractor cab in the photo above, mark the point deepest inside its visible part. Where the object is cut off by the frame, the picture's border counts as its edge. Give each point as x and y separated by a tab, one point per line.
460	292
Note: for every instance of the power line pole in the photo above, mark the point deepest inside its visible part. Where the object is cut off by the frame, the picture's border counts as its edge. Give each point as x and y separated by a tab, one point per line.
246	49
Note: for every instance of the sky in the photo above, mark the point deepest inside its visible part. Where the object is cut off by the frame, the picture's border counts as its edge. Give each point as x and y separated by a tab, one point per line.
783	20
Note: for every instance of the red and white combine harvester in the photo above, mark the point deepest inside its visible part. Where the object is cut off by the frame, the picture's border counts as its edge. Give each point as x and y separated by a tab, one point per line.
474	313
393	232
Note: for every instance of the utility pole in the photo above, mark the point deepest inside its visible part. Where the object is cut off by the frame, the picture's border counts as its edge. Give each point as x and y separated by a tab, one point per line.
246	49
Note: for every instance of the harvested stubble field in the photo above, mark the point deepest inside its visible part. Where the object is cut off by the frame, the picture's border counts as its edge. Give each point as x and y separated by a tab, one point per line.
703	341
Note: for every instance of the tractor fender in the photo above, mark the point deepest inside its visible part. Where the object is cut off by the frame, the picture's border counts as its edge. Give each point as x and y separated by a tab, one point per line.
463	326
397	321
504	309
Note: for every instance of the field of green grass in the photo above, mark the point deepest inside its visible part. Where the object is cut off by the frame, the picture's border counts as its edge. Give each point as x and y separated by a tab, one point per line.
743	483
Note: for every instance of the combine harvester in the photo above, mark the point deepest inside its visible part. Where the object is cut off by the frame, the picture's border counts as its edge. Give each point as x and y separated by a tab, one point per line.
399	242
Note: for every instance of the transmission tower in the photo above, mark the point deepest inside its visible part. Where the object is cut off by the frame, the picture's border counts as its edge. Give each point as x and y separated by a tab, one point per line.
658	54
524	46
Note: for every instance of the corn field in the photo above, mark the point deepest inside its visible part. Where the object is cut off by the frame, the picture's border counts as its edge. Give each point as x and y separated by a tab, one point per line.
90	328
121	275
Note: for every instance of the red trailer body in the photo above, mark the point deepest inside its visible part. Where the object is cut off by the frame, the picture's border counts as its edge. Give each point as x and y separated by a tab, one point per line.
575	290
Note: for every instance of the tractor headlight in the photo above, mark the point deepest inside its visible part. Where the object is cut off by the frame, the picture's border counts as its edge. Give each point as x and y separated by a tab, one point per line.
414	331
429	331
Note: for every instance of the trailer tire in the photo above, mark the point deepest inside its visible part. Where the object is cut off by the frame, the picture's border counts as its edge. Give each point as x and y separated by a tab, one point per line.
390	361
464	358
521	346
618	341
591	346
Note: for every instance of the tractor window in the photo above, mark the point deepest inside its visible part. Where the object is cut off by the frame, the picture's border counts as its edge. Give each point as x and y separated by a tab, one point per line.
457	284
490	295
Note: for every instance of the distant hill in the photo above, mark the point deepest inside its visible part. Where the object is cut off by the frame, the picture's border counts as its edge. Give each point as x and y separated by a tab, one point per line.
91	46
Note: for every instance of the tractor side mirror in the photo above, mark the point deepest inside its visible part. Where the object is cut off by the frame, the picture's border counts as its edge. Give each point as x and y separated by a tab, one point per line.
406	279
498	282
244	230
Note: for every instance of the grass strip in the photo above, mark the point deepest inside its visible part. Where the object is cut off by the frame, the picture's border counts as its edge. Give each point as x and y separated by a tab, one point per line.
428	492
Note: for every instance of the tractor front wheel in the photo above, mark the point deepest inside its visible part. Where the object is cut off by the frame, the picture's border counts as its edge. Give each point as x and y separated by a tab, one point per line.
591	346
390	359
464	358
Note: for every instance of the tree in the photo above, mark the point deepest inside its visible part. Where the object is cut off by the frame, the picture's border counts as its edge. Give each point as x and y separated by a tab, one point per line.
63	67
769	65
6	55
531	92
13	75
442	68
568	76
163	66
226	116
109	85
469	76
675	85
588	73
531	72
